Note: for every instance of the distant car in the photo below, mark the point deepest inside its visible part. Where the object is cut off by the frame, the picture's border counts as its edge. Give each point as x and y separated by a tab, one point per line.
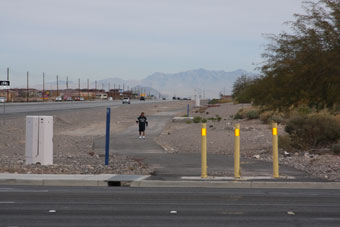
69	99
126	100
163	98
178	98
142	98
59	99
174	98
81	99
2	99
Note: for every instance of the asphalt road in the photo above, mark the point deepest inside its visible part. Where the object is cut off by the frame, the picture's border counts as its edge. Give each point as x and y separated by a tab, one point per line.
11	109
111	206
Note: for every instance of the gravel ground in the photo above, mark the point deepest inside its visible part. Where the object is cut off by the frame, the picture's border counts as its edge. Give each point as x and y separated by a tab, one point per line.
74	132
256	141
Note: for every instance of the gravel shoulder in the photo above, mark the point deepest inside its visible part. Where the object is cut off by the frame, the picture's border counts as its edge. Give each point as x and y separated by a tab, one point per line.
74	132
256	141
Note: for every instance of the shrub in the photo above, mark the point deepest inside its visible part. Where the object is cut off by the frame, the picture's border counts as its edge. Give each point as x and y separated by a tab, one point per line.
188	122
336	148
238	116
218	117
218	101
197	119
204	120
270	116
285	143
277	119
266	116
313	130
304	110
252	114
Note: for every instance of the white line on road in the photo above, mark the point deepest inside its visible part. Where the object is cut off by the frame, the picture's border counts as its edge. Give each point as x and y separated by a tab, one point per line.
6	202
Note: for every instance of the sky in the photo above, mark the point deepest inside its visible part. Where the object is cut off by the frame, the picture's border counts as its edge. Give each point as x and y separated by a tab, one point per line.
132	39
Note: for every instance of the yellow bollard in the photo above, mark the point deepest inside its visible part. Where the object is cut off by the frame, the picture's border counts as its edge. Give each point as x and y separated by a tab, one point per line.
275	152
204	152
237	172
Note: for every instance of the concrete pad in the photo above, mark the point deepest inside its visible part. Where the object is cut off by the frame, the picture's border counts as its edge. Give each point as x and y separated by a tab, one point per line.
238	184
193	184
128	178
209	178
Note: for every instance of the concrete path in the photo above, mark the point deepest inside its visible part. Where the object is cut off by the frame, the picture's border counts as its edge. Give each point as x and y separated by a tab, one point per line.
177	166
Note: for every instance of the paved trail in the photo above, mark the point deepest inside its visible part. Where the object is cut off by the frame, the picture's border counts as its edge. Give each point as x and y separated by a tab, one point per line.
176	165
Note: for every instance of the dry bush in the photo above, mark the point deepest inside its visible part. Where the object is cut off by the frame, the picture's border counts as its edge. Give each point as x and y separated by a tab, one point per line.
313	130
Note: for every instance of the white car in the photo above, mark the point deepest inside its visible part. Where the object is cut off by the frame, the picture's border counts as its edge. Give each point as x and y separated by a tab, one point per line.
2	99
59	99
126	100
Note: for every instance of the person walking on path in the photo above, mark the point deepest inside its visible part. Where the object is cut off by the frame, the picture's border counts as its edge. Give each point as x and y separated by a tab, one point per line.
142	123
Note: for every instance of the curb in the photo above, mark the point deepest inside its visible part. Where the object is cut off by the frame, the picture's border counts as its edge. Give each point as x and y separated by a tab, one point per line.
237	184
69	180
53	182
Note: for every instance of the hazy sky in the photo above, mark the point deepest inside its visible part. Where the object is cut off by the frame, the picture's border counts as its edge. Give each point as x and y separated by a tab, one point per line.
130	39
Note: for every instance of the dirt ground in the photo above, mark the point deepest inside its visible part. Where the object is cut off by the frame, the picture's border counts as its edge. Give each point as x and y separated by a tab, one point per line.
256	141
74	132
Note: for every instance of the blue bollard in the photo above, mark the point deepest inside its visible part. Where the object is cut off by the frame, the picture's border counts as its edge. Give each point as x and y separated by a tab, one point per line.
107	142
188	110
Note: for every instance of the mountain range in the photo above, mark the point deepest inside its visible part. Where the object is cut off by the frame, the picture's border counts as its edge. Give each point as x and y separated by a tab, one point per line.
208	83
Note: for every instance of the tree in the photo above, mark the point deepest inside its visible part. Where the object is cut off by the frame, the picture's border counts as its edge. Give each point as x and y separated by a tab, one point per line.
303	67
240	89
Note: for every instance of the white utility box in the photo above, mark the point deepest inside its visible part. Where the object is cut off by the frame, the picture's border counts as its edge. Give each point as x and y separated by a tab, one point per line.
197	101
39	140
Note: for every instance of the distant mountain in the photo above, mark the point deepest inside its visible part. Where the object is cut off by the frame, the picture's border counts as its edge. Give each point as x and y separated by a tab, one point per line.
207	83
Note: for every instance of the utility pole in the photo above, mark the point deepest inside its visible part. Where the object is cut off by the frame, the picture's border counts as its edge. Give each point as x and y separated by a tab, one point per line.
67	82
109	86
57	86
43	91
88	86
7	99
102	86
79	87
95	88
27	96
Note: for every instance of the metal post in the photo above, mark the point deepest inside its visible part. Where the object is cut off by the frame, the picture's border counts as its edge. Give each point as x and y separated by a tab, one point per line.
79	88
43	91
107	141
57	86
204	152
188	110
88	86
7	98
95	89
237	172
27	95
275	152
